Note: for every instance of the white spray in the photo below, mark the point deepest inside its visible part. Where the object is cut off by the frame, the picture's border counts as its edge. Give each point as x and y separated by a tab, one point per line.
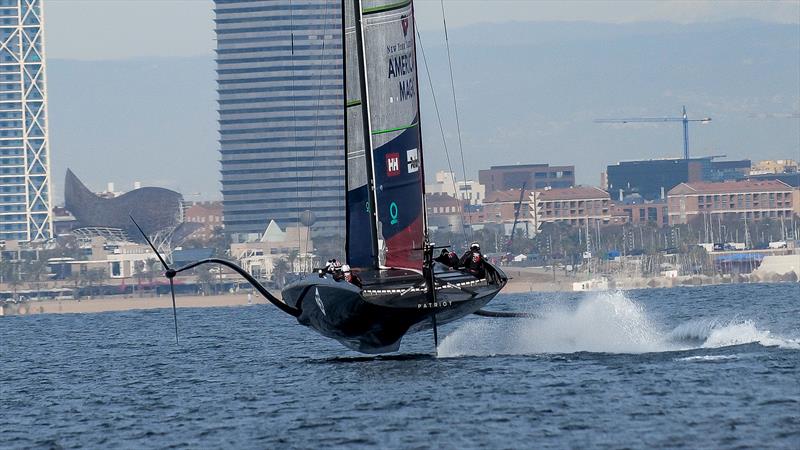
605	322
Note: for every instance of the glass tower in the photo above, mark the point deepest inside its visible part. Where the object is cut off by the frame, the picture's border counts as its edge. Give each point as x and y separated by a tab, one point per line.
25	212
279	72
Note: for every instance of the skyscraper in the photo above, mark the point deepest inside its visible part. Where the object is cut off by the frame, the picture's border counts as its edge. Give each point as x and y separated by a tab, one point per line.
279	67
25	212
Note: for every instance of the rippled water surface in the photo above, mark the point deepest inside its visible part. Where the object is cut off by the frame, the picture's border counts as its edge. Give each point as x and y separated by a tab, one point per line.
687	367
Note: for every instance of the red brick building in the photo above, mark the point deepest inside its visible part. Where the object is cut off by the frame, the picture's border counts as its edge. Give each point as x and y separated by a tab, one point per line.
207	214
499	206
656	213
576	206
747	199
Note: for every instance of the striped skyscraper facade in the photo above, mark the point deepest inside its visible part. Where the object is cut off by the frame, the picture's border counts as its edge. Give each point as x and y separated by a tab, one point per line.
279	71
25	208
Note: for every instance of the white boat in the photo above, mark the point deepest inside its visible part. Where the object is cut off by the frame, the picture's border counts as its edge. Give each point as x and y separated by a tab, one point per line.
591	285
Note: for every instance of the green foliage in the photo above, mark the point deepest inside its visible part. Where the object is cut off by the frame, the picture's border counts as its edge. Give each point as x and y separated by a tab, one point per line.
279	271
205	279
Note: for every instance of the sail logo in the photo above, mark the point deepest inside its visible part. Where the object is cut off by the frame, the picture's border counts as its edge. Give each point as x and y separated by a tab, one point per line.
393	164
404	22
412	157
394	213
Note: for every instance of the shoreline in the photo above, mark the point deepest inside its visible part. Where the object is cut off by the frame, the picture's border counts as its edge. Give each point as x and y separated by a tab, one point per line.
111	304
521	280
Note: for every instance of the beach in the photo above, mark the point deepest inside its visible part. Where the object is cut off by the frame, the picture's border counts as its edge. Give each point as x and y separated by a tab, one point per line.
106	304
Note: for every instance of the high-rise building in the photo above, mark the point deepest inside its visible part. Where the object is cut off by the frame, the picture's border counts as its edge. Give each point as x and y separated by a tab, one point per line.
25	208
279	67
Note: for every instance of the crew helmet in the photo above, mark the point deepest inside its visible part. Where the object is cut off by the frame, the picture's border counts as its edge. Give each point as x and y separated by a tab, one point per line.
346	268
474	246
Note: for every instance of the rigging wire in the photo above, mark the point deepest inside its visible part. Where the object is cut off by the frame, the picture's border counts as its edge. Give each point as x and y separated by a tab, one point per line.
294	132
316	112
455	108
441	129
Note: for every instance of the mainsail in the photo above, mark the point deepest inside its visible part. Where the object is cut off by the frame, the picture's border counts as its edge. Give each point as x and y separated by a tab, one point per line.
385	180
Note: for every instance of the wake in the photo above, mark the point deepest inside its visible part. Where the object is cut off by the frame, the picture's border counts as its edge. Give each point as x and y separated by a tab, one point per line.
606	322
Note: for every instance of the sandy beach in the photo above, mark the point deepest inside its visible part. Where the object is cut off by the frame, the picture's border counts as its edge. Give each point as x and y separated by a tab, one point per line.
128	303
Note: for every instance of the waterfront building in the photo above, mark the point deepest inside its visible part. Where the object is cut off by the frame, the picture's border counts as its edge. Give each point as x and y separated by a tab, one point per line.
158	211
500	206
292	245
25	192
745	199
469	191
279	67
774	166
790	178
208	215
655	212
444	212
651	179
534	176
577	206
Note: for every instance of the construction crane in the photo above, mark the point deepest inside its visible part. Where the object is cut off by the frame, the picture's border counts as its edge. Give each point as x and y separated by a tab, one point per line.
683	119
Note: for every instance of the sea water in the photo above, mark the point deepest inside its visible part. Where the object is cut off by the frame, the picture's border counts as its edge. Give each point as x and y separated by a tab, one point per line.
707	367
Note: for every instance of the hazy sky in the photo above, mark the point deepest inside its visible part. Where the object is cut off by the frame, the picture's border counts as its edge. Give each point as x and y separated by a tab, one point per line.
116	107
120	29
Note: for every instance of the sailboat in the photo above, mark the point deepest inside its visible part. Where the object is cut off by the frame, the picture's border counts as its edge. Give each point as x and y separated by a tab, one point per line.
403	290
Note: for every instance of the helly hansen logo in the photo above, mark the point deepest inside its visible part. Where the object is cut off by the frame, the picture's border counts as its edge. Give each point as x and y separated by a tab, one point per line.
392	164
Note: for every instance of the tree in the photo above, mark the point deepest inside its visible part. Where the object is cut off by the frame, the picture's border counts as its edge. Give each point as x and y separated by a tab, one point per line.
279	271
34	270
220	241
94	277
292	258
76	278
10	274
139	273
205	279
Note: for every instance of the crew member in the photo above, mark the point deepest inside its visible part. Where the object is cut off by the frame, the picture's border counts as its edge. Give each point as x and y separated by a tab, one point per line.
332	266
449	259
473	262
350	276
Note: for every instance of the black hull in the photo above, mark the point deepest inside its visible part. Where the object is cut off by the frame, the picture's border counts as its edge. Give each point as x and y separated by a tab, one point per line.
391	304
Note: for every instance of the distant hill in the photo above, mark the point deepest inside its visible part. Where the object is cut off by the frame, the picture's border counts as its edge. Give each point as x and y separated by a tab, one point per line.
528	92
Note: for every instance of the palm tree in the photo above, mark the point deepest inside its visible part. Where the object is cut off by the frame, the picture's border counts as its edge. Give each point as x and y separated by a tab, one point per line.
33	273
279	271
292	258
139	273
220	241
76	278
10	274
94	277
205	278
